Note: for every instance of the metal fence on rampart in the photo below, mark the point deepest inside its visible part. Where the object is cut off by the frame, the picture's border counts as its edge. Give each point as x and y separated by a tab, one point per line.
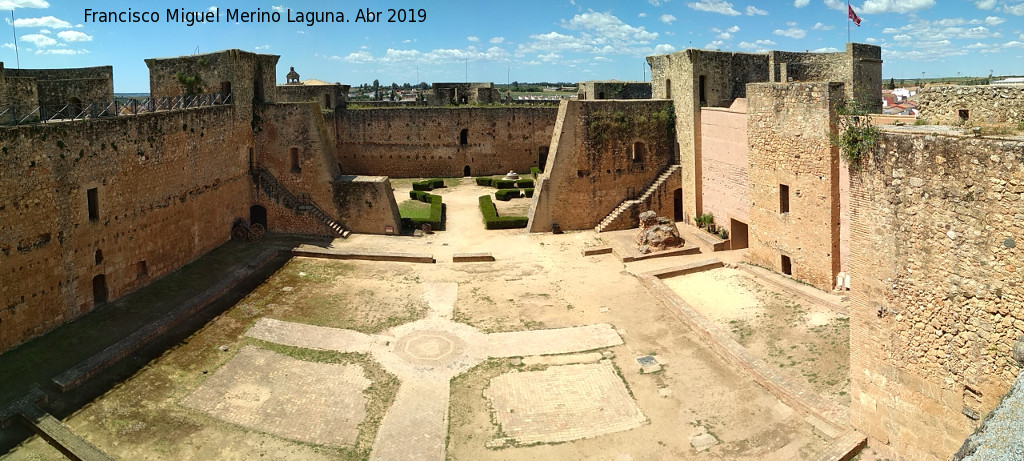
23	115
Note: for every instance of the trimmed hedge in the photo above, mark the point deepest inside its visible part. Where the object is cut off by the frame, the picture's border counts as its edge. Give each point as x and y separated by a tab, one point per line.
435	183
493	221
419	195
534	171
484	181
522	183
436	212
528	192
422	185
503	183
507	194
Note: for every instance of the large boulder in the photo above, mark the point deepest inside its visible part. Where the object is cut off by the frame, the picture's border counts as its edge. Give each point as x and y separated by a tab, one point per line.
657	233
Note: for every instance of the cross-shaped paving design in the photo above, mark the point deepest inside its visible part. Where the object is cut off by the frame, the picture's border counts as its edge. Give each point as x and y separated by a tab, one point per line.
425	355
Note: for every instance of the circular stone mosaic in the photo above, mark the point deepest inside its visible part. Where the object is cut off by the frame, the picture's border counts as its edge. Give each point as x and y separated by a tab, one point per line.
429	348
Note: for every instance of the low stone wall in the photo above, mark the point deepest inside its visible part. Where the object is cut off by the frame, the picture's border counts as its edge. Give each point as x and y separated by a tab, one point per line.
367	204
951	105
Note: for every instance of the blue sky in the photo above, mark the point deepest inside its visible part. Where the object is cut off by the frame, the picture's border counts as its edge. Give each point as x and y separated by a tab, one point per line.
525	40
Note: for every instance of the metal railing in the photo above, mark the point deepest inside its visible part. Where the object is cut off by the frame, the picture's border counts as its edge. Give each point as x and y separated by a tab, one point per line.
20	115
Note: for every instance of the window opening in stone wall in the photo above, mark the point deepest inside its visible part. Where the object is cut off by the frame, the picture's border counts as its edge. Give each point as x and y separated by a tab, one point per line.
258	215
92	196
668	88
677	203
99	289
294	154
639	151
98	257
787	265
225	90
327	101
703	98
466	171
963	114
600	95
257	85
141	270
783	198
464	137
252	158
74	107
542	157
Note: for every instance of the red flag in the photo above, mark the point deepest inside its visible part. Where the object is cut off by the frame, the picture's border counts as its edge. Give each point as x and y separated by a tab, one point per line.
852	15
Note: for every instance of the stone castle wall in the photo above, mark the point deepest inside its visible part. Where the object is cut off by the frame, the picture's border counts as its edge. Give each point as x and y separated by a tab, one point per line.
787	132
329	97
937	271
614	90
984	104
425	142
606	152
168	186
247	76
725	163
57	87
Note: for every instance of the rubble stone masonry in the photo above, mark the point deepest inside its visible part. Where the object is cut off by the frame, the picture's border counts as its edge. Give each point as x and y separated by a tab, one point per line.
953	105
935	228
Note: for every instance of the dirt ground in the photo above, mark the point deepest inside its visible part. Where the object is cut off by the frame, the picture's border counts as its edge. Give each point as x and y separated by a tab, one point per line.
536	282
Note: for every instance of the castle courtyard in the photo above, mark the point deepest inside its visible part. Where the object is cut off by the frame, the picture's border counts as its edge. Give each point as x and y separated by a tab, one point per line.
530	357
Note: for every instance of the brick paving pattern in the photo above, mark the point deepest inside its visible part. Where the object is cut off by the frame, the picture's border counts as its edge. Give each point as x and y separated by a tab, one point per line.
563	403
305	401
427	353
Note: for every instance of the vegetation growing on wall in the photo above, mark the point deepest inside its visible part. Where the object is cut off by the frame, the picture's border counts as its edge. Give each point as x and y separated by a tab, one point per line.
192	83
857	136
605	125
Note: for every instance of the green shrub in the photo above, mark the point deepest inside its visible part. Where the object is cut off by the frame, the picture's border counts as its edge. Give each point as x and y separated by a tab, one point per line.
436	213
507	194
422	185
524	183
534	171
493	221
528	192
503	183
484	181
418	195
435	183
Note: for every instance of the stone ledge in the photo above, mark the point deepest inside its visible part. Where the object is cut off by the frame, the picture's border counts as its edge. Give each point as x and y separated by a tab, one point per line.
472	257
699	266
843	448
598	250
88	368
789	285
312	252
637	256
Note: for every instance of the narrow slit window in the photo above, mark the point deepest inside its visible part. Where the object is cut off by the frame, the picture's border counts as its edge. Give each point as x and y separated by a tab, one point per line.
787	265
783	198
92	196
294	154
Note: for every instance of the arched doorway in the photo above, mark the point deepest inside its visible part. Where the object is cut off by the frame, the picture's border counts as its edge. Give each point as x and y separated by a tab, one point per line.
74	107
258	215
466	171
99	289
464	137
677	200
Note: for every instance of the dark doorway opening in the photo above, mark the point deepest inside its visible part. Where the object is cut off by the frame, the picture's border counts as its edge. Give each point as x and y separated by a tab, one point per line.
600	95
74	107
99	289
258	215
668	88
464	137
225	90
466	171
542	157
677	201
738	234
257	85
787	265
327	101
92	199
294	154
703	94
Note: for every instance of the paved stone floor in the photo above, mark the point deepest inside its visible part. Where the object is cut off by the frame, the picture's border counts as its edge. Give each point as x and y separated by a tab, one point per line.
305	401
563	403
426	354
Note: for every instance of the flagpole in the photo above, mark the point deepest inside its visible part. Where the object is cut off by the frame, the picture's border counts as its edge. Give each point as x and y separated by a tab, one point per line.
848	40
15	30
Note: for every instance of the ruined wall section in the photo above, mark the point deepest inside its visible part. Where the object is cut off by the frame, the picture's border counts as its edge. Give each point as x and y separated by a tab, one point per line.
859	67
167	188
57	87
329	97
249	77
866	62
937	273
367	204
608	151
427	142
613	90
787	131
725	163
293	144
942	105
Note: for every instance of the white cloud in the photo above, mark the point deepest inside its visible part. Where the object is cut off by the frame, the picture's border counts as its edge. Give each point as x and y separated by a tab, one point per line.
497	40
664	48
902	37
277	7
602	59
473	38
714	6
45	31
1014	44
801	3
656	2
717	44
355	57
15	4
724	36
212	8
895	6
261	47
74	36
1016	10
985	4
757	45
835	4
549	57
39	40
753	10
792	32
45	21
8	45
642	15
62	51
820	26
733	29
830	49
667	18
994	20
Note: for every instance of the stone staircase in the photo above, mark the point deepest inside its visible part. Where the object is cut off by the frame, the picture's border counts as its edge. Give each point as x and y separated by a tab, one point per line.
266	181
627	204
